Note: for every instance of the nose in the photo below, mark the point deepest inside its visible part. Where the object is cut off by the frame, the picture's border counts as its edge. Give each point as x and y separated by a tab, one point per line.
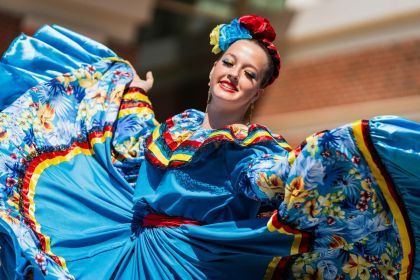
232	77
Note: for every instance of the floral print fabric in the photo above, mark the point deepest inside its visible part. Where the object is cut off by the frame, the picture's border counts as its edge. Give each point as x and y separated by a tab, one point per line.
54	117
331	192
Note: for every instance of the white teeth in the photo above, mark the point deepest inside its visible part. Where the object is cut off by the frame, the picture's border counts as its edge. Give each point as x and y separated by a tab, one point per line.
226	85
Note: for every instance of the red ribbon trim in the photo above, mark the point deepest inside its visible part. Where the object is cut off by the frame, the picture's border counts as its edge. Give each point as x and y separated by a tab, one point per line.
158	220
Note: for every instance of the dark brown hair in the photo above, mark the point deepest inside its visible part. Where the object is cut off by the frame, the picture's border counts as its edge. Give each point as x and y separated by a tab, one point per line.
272	68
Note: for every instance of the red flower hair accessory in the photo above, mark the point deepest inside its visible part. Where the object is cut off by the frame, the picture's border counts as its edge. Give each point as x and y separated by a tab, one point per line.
259	27
261	30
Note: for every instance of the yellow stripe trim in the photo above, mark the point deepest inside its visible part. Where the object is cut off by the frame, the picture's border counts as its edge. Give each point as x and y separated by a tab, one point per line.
250	140
117	59
271	268
285	145
155	134
256	135
36	175
297	237
31	192
136	96
292	157
224	133
136	110
393	205
181	157
296	244
270	225
158	154
107	134
186	157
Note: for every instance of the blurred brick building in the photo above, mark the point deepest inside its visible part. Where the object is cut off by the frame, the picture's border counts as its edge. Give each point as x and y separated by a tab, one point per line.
9	29
346	60
342	60
114	23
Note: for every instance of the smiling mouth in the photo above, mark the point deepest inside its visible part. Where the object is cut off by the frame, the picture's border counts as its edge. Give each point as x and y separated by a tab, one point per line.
228	87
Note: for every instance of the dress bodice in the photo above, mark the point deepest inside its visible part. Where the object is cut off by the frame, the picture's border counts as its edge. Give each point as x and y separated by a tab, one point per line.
217	179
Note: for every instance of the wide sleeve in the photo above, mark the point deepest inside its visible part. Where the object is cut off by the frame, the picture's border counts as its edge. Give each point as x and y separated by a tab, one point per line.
263	175
135	122
50	52
334	192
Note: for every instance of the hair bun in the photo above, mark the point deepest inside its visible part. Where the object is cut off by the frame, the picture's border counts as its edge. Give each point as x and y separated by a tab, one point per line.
259	27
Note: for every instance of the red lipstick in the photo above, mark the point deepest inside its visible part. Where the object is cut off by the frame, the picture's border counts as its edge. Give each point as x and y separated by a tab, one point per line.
228	86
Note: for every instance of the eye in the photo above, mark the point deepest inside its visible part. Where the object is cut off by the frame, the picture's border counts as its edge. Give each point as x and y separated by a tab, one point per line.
227	63
250	75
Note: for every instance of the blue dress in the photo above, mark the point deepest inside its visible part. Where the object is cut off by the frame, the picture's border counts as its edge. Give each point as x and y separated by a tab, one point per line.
76	187
90	183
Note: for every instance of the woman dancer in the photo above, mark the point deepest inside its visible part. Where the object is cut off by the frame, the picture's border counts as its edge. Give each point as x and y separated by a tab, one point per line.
354	189
89	191
78	197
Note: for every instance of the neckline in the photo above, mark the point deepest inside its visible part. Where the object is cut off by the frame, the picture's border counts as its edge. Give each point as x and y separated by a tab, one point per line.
176	141
199	116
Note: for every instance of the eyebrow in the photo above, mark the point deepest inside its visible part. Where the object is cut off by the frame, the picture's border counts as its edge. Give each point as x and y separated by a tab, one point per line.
248	64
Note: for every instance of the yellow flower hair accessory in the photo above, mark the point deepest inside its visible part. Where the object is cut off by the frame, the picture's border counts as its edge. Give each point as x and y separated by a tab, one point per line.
214	39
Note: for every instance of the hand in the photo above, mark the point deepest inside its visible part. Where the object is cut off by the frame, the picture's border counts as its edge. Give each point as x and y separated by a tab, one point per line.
146	84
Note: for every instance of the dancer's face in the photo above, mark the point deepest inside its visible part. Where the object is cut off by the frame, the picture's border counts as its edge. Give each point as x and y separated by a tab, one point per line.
236	78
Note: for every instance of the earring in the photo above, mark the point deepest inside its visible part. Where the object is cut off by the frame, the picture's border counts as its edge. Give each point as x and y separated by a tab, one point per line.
209	97
249	113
